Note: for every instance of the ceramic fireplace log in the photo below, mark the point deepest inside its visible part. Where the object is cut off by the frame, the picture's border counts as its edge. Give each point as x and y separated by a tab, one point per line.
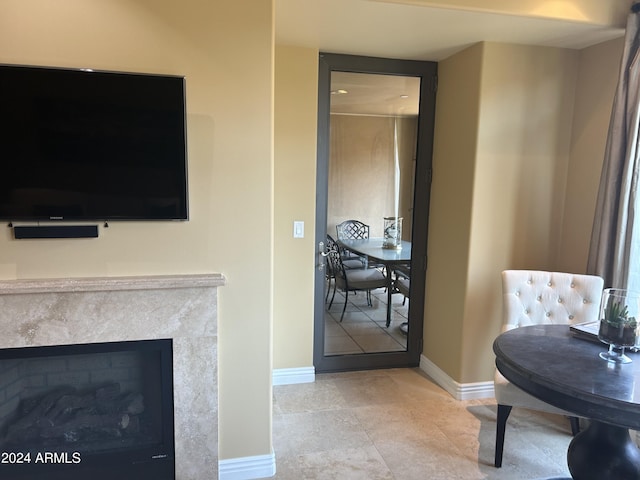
66	403
22	429
69	431
67	416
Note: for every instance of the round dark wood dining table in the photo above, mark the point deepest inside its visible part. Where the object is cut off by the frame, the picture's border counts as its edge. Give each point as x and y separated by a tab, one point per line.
548	362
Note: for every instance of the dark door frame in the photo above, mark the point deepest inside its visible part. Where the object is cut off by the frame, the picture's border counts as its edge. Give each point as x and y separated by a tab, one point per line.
427	72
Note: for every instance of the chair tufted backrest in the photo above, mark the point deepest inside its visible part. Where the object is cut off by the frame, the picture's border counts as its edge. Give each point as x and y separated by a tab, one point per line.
533	297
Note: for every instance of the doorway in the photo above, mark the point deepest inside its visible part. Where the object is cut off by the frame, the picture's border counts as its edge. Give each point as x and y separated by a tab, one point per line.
390	179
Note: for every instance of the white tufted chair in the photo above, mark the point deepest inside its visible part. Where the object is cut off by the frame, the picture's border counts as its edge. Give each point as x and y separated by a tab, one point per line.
534	297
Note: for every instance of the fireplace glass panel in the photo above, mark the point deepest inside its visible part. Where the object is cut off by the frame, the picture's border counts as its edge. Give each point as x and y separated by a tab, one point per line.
100	410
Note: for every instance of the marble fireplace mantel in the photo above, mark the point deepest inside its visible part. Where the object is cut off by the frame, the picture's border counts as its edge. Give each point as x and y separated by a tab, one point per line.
86	310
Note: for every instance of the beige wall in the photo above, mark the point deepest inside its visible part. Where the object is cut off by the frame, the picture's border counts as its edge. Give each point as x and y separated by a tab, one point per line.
225	50
454	153
524	169
362	171
296	103
521	168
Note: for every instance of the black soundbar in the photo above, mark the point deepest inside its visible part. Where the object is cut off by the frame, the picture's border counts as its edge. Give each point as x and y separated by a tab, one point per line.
56	231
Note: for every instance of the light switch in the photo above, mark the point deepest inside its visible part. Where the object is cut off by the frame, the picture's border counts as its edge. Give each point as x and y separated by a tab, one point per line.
298	229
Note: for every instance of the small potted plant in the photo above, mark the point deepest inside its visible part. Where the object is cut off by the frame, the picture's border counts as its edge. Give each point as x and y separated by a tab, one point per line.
618	327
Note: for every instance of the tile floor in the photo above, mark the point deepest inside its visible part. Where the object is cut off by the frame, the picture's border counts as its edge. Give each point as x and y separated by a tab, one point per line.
363	328
398	424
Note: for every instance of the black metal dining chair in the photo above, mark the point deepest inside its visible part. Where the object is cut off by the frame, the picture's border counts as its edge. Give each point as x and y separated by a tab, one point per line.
349	262
352	229
355	230
402	281
352	280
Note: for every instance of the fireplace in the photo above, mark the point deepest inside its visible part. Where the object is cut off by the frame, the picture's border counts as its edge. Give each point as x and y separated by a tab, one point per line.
49	312
88	411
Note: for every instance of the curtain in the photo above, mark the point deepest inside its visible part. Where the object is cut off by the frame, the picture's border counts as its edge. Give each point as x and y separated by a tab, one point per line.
614	252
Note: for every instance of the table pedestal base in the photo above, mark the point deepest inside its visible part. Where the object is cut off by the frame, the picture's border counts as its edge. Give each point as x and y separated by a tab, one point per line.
602	452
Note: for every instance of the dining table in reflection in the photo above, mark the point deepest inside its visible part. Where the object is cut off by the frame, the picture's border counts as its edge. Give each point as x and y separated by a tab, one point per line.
548	362
374	251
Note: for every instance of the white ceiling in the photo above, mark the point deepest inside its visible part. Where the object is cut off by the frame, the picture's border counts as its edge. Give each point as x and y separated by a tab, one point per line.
374	94
393	29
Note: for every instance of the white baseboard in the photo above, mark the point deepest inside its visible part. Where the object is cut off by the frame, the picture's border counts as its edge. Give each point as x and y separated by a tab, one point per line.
459	391
290	376
247	468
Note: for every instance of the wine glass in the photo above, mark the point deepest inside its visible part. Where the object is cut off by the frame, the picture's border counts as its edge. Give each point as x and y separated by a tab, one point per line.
618	323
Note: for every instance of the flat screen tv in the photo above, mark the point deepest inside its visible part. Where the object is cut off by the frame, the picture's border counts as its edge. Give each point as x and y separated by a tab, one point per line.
78	144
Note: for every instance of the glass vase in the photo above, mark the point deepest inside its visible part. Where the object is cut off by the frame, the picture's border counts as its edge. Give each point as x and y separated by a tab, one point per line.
618	323
392	232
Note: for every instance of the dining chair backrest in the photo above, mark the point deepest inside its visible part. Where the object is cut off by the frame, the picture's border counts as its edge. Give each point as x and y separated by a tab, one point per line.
534	297
402	280
352	230
334	261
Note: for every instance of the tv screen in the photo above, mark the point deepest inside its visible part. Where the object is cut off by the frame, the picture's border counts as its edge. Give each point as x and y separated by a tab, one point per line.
91	145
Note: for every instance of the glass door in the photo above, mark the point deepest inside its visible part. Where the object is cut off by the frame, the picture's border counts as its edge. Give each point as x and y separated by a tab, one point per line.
374	160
